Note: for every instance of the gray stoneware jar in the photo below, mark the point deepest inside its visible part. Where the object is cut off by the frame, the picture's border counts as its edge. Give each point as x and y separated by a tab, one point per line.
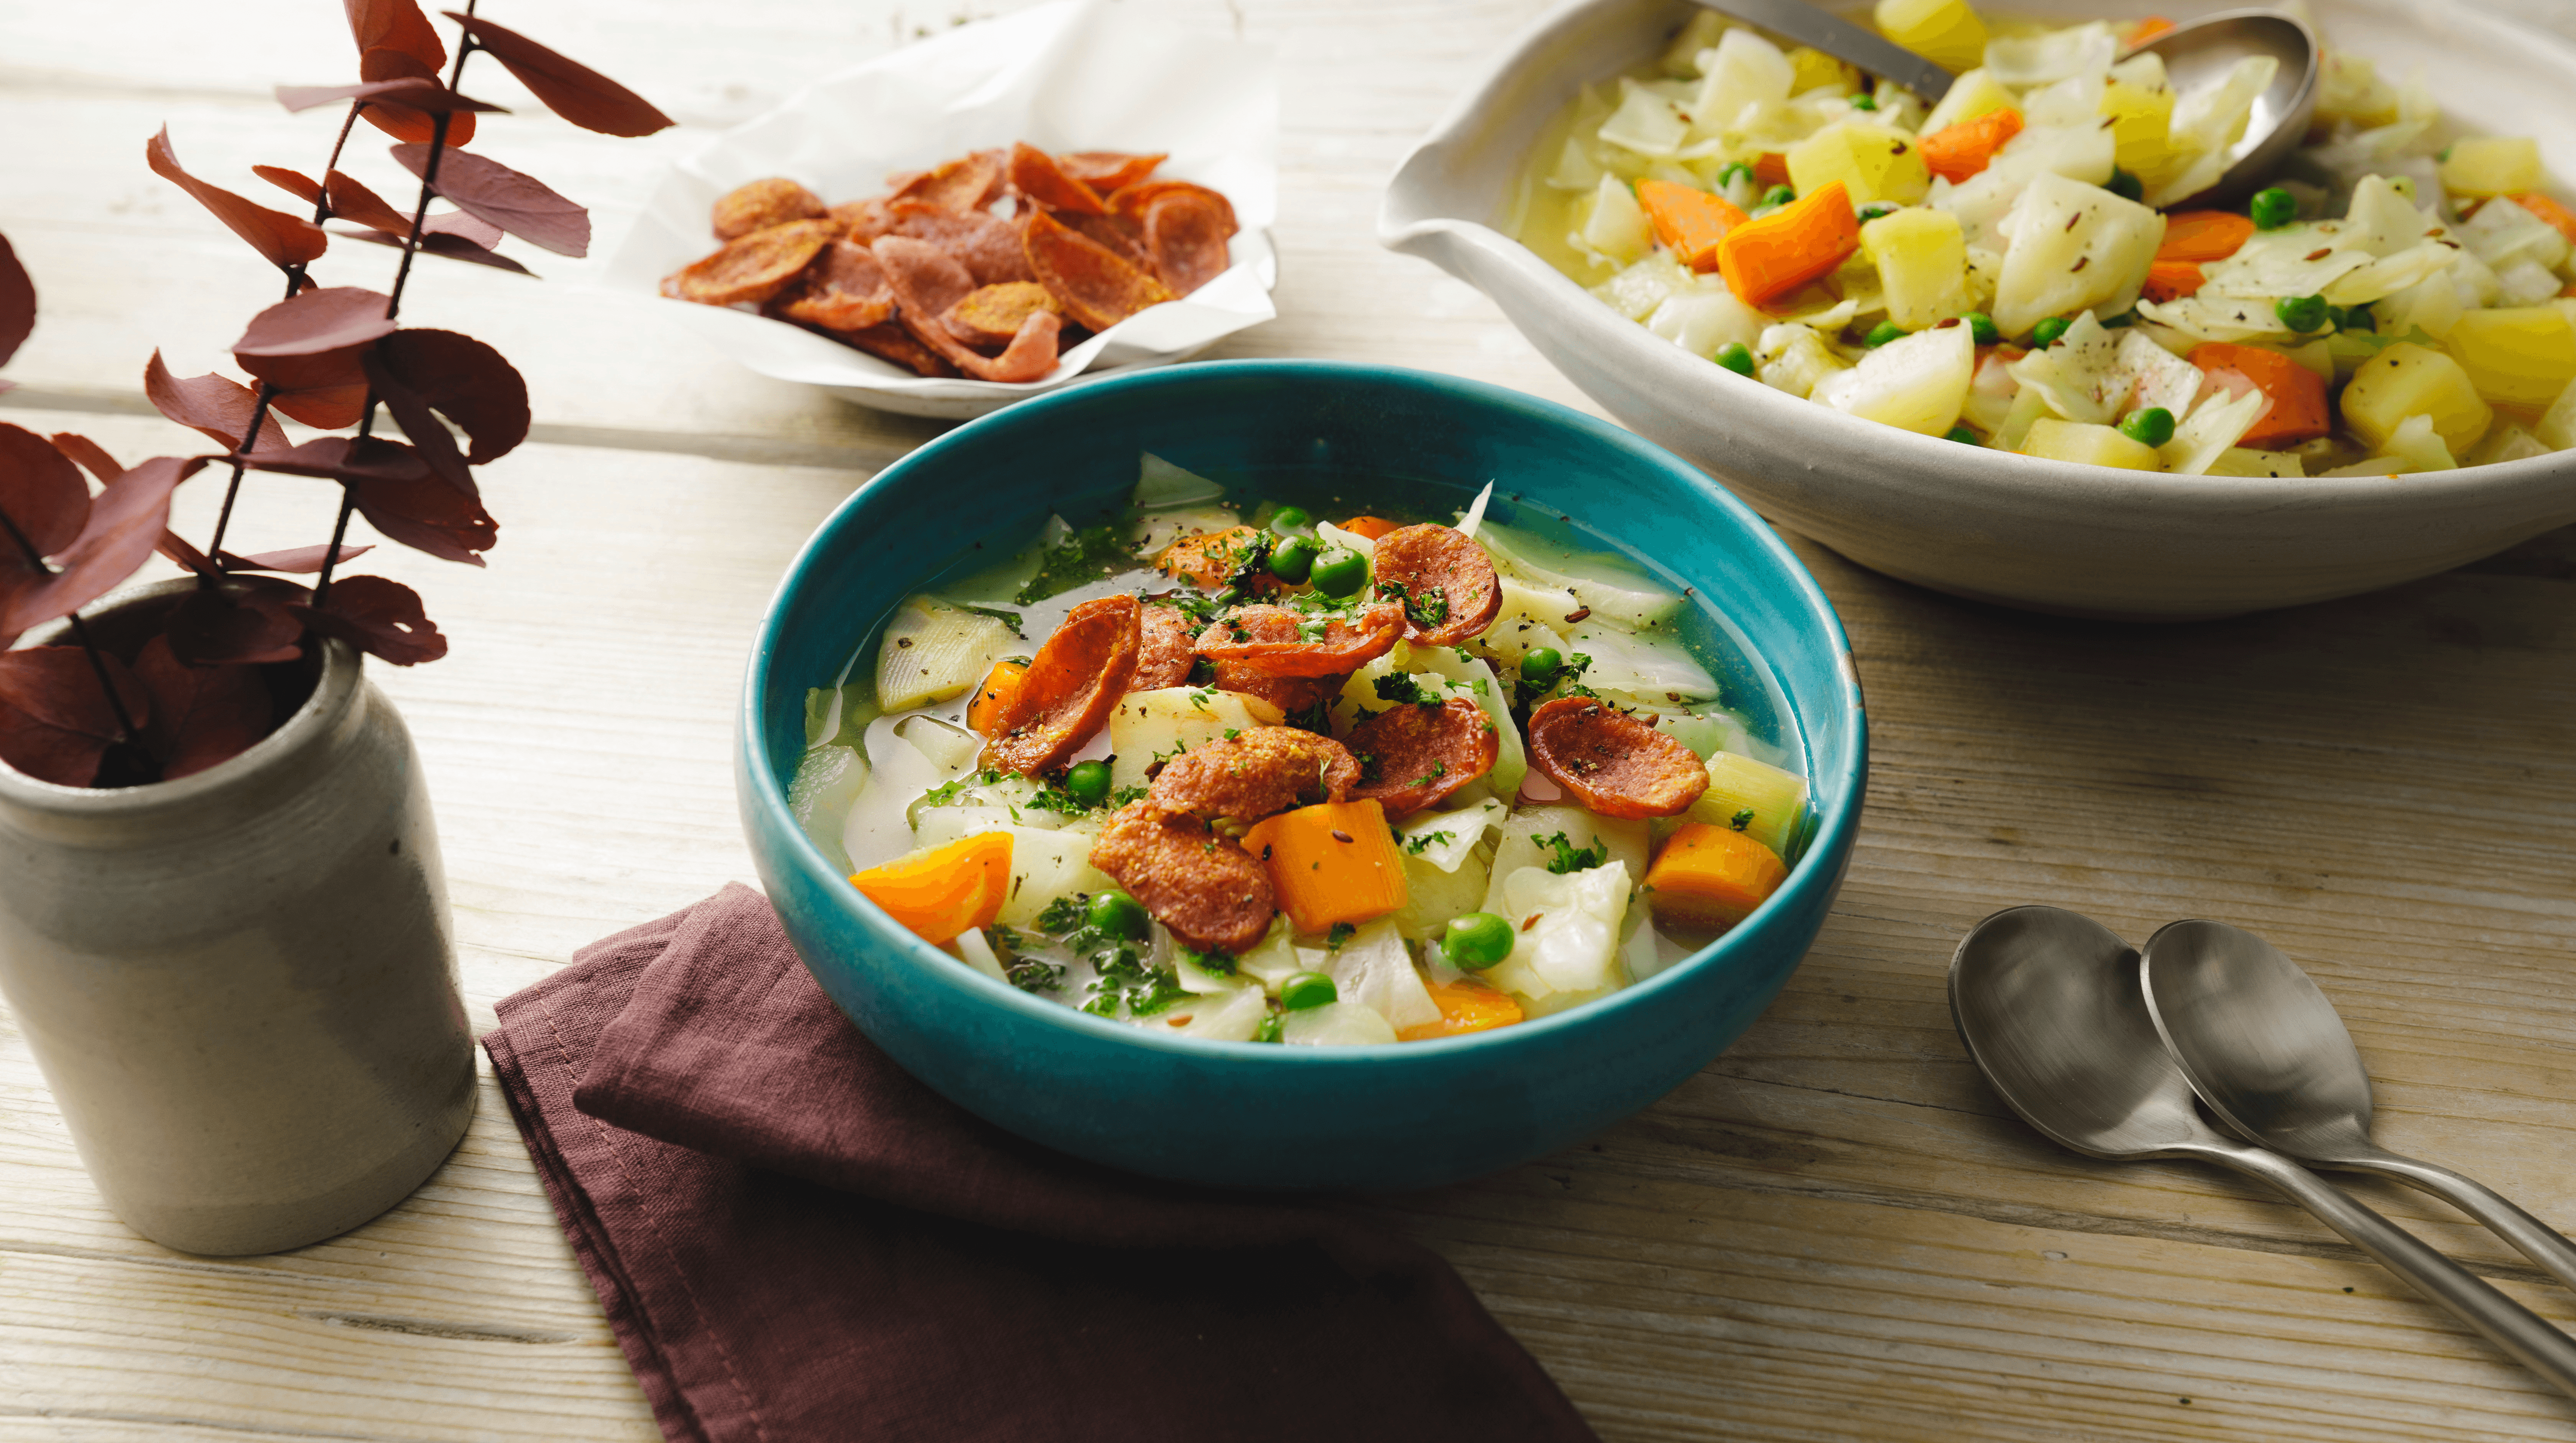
241	985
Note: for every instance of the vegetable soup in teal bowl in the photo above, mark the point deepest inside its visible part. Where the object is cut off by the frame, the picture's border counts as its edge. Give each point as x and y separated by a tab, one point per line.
1293	774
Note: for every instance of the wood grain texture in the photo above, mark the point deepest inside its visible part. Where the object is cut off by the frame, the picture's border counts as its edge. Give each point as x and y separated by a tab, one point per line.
1834	1232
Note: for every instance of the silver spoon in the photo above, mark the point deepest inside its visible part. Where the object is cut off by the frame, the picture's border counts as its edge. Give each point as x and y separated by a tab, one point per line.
2268	1053
2197	53
2049	1004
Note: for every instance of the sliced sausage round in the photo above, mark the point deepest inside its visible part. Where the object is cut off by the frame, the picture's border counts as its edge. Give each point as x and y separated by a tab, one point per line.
1254	774
1611	762
1163	656
1276	640
1073	681
1295	696
1442	578
1418	756
1196	881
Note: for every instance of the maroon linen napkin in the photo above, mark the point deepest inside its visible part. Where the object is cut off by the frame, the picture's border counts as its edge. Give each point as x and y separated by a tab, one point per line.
795	1240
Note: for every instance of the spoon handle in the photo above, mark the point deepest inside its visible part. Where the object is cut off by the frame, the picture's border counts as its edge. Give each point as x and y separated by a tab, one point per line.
2502	1321
1843	40
2537	1240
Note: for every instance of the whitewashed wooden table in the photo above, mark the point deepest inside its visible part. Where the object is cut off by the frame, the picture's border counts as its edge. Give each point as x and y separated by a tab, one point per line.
1835	1232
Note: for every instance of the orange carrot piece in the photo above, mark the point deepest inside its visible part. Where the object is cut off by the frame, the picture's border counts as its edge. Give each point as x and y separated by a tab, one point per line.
2146	30
1774	255
1370	527
1712	876
2172	280
1466	1005
2298	394
2548	210
1207	559
1771	168
1689	222
944	891
1331	863
994	696
1960	151
2203	235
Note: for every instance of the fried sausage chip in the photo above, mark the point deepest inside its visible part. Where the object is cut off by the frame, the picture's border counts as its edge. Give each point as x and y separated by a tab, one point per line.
843	290
1163	656
1444	580
1254	774
1194	880
1611	762
754	267
890	341
986	245
926	282
969	182
1096	287
993	315
1273	640
1134	200
1107	171
1419	756
1035	174
762	204
1072	682
1185	233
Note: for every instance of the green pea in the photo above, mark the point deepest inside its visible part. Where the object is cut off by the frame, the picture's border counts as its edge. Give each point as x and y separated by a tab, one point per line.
1864	101
2150	427
2125	185
1227	597
2355	318
1875	209
1727	173
1962	435
1981	328
1287	518
1737	357
1778	195
2272	208
1541	665
1291	558
1339	572
1882	333
1476	941
2302	313
1088	782
2045	334
1307	989
1116	913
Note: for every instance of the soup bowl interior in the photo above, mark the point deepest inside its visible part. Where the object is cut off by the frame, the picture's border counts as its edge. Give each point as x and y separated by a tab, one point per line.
1265	1115
2049	535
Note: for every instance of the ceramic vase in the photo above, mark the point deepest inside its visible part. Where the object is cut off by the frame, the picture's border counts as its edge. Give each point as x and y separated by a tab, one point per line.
241	984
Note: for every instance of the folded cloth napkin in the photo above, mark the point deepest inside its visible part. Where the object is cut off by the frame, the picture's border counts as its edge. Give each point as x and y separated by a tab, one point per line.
795	1240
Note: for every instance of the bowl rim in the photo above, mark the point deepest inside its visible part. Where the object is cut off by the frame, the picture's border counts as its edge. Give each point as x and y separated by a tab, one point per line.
1818	871
1408	223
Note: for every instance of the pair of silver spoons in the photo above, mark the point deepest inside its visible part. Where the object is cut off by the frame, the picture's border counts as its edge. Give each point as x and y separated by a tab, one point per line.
2103	1048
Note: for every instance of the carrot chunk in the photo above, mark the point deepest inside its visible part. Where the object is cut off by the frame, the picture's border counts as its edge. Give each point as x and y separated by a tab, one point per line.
1207	559
2548	210
994	695
1774	255
2172	280
2203	235
1712	876
939	893
1771	168
1466	1005
1369	527
2146	30
1960	151
1331	863
2298	394
1689	222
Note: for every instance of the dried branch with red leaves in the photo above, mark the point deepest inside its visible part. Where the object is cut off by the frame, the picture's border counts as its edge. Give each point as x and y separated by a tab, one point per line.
223	666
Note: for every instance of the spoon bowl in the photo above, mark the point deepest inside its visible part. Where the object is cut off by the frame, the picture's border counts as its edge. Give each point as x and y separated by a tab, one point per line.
2201	53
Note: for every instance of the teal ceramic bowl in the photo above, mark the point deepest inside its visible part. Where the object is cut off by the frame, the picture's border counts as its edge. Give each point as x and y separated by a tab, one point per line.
1265	1116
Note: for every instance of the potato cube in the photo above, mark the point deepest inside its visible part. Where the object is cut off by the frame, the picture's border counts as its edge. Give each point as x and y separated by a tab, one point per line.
1874	162
2140	122
1922	260
2409	380
1917	383
2493	165
2557	428
1973	94
2523	356
2075	247
1617	226
2055	440
1945	32
1813	69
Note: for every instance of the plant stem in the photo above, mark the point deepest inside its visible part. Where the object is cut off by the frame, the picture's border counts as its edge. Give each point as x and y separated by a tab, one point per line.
115	703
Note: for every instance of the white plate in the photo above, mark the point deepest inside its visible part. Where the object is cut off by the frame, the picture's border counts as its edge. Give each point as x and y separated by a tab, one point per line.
1067	77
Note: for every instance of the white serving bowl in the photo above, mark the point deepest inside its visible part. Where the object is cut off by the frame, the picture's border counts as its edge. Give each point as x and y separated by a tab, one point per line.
2047	535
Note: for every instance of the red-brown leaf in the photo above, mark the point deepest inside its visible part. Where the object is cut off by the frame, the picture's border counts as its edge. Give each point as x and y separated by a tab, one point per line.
569	88
464	380
379	617
124	526
411	411
351	200
396	25
345	458
40	491
401	121
427	515
286	240
294	182
418	92
330	318
243	619
183	552
520	204
210	404
453	247
55	720
201	715
17	302
300	560
92	457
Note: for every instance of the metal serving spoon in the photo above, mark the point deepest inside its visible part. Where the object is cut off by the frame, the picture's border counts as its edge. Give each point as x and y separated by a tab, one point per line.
2049	1005
2196	53
2268	1053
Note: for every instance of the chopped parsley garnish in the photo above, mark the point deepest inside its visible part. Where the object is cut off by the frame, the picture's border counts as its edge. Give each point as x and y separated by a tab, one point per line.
1029	974
1438	770
1124	795
1058	800
1202	671
1080	559
1571	858
1741	820
1219	963
1400	686
1423	843
1269	1029
1010	619
1061	916
1429	609
1124	977
1342	932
